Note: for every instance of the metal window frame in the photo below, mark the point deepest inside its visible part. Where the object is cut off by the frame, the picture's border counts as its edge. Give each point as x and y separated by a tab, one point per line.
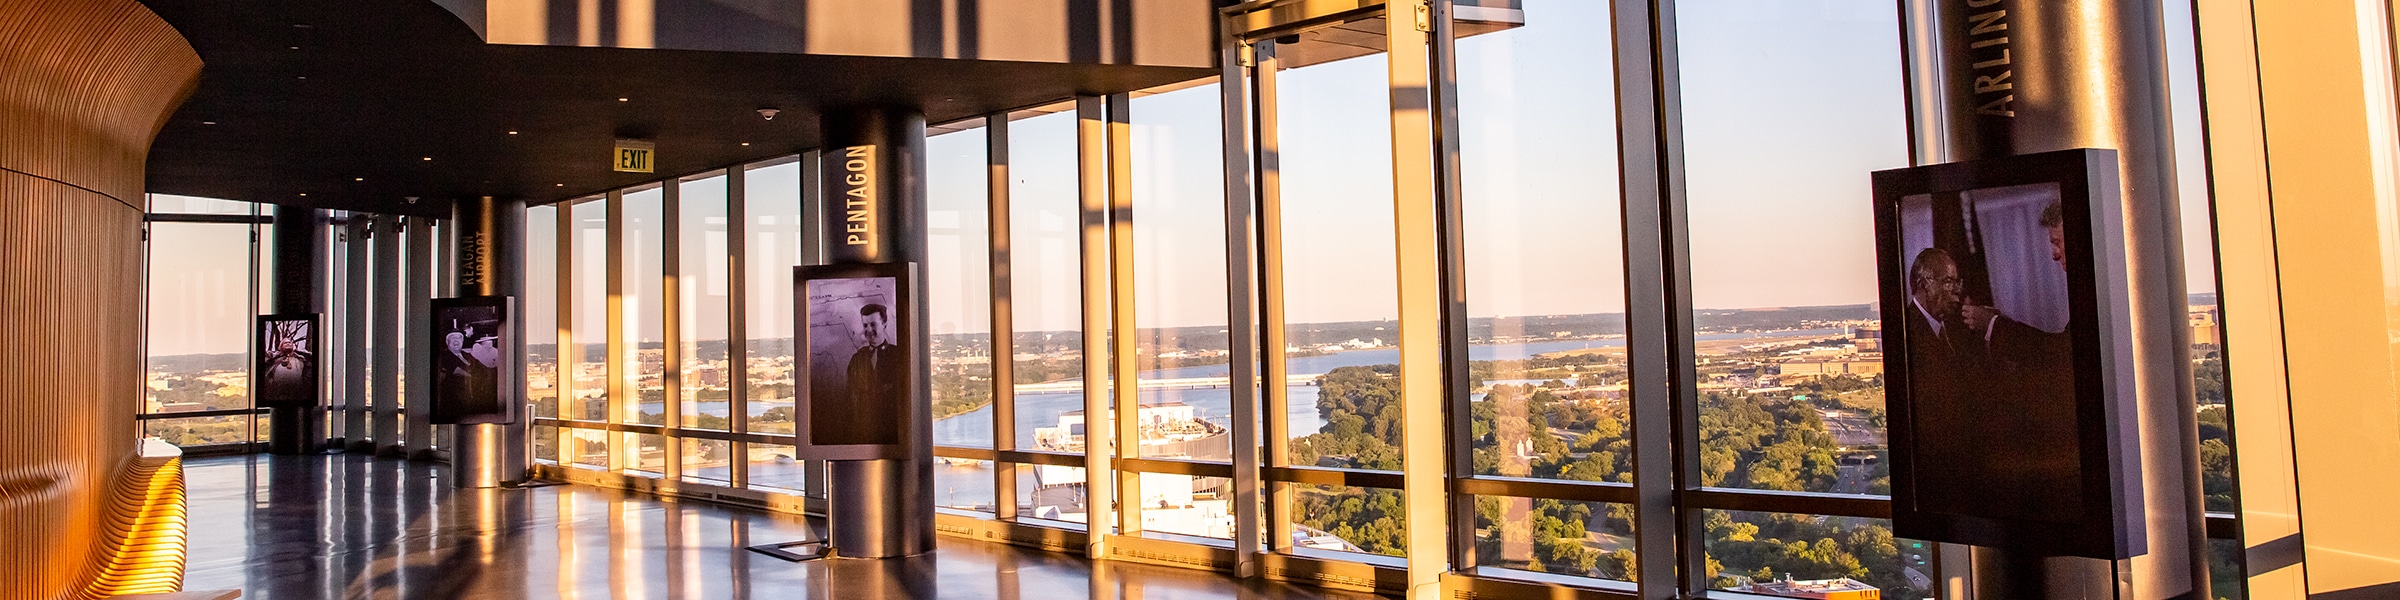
417	367
737	326
619	455
670	325
384	317
1092	166
1124	343
356	323
1001	273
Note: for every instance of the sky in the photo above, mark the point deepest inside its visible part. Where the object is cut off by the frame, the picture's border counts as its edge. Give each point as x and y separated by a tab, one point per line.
1787	106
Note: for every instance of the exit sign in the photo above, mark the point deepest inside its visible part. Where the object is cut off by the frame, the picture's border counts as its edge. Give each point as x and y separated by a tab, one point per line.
635	156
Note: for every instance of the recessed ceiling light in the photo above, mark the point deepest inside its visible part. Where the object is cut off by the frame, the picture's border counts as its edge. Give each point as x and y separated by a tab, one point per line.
208	122
304	193
745	143
624	100
304	77
512	132
562	185
429	158
295	47
358	179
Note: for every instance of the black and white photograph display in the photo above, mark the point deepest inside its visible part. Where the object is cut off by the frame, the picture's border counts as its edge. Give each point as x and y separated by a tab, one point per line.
471	374
859	366
287	360
2007	427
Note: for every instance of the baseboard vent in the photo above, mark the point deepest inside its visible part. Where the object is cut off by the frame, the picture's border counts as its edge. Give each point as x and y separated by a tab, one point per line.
1179	559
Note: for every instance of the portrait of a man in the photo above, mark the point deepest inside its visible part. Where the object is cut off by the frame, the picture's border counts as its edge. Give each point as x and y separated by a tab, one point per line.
859	359
877	362
1990	360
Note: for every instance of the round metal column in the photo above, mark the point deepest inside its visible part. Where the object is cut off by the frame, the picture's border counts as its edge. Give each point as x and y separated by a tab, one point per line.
2026	76
299	275
488	250
883	508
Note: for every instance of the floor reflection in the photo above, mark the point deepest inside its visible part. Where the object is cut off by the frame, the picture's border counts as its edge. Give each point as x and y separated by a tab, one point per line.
282	527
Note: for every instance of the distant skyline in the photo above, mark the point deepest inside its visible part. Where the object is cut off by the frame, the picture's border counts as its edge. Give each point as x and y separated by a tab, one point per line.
1788	104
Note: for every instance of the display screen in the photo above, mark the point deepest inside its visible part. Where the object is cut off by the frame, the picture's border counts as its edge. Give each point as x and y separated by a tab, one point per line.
1991	360
472	379
2008	354
287	360
858	362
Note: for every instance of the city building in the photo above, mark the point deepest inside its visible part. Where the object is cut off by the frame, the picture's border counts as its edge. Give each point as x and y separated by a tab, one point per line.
1678	299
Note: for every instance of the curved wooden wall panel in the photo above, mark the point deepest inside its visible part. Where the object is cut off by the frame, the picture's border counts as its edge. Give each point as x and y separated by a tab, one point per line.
84	86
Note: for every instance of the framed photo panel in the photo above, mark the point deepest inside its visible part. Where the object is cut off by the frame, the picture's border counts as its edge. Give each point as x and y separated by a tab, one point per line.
859	381
2007	354
474	368
288	372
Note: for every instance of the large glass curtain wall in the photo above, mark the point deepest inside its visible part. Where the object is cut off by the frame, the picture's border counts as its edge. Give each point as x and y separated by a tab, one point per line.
1574	367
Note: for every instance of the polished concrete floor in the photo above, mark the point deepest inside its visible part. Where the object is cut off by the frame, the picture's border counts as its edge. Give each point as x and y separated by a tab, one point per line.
283	527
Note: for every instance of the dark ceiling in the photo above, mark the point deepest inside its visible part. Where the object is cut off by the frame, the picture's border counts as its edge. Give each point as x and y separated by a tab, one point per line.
361	104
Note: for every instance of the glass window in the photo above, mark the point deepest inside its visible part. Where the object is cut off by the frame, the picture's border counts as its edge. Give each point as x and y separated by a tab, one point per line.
2200	267
172	204
705	291
1046	255
958	287
1562	537
540	308
1180	340
587	381
1340	296
773	468
588	448
1344	519
707	461
201	431
772	246
1782	240
1051	492
200	311
644	350
1545	264
545	444
1812	556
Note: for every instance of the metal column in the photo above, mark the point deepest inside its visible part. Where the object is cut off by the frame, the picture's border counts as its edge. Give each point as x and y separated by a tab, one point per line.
884	508
1424	302
384	405
487	256
358	249
417	434
1003	288
1123	343
299	278
1241	301
1099	470
1274	366
2020	77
